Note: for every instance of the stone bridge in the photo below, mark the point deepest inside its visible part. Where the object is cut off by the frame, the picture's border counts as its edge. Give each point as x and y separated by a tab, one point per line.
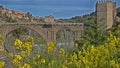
47	31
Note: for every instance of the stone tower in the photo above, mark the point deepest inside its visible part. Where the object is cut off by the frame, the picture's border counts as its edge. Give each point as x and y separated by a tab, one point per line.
105	13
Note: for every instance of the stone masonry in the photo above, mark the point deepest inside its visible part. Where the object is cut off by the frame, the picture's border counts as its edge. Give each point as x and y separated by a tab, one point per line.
105	13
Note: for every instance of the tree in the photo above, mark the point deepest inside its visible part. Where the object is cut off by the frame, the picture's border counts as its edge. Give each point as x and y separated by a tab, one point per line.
1	6
116	30
118	11
94	34
118	14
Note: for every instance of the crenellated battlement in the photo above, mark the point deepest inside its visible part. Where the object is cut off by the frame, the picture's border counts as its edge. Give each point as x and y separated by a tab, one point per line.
103	1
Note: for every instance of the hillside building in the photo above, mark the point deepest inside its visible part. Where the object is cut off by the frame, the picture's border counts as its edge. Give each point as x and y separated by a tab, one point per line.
49	19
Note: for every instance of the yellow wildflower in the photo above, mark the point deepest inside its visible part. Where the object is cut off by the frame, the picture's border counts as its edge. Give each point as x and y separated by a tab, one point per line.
37	56
74	57
49	49
51	44
23	54
61	51
10	55
42	61
17	42
27	46
16	62
2	64
18	57
34	62
26	66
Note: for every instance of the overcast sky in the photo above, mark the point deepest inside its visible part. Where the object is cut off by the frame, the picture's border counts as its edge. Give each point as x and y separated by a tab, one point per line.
57	8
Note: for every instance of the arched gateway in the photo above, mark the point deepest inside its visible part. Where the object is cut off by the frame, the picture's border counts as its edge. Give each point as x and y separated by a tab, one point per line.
46	30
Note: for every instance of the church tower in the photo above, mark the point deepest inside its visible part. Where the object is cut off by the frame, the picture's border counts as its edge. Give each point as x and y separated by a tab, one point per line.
105	13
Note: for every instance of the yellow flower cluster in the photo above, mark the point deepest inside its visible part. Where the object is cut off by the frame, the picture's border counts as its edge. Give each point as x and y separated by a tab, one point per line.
51	46
26	66
23	54
18	44
42	61
24	48
37	56
27	46
2	63
61	51
16	60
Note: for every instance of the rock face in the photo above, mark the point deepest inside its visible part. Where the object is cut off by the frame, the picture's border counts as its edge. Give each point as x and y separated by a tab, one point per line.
105	13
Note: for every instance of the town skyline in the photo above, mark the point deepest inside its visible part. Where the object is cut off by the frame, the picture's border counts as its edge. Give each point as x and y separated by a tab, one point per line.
59	9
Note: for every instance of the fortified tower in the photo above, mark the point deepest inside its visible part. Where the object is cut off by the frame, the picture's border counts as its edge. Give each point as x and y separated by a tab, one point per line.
105	13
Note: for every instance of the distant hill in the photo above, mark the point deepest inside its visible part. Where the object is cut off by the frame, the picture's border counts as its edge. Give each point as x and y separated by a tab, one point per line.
84	19
79	19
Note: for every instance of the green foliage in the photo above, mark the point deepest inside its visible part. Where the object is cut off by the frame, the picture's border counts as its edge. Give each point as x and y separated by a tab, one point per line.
79	19
118	12
116	30
40	41
1	6
18	32
94	34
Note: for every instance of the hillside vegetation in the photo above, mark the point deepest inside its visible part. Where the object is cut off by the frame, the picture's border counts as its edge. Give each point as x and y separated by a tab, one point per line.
118	11
79	19
88	18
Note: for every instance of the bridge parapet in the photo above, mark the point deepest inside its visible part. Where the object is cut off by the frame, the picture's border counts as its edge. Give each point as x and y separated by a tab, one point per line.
43	24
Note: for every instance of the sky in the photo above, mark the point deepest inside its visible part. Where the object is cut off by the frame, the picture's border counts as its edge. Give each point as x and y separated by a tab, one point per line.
57	8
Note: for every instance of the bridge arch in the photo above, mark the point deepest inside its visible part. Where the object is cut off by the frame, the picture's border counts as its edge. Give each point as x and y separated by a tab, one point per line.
25	29
65	36
32	28
8	41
